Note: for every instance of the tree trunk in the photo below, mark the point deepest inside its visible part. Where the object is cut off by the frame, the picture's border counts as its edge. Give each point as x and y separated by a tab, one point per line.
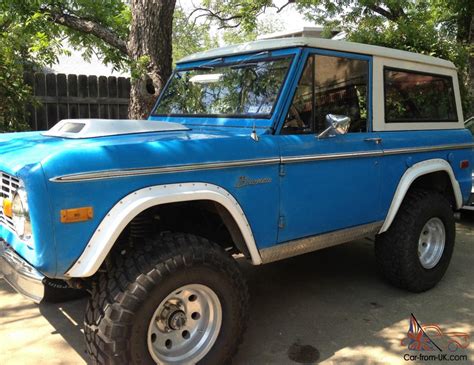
151	36
471	67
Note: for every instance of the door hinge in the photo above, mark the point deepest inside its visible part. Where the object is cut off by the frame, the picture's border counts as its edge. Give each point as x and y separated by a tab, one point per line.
281	222
282	170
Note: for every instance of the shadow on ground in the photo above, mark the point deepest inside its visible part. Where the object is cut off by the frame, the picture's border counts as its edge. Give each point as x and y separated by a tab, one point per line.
325	307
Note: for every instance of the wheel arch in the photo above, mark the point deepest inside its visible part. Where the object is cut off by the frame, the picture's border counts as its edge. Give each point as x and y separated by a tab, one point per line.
410	177
124	211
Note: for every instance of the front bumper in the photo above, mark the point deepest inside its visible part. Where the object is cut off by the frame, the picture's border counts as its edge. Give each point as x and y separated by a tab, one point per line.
23	277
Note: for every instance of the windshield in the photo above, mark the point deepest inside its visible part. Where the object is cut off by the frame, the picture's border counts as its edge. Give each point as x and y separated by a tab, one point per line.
243	89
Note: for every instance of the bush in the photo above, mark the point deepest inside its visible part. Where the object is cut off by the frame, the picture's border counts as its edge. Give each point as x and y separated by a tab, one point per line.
14	94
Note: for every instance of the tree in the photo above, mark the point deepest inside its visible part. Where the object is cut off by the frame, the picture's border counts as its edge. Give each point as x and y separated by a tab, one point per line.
13	94
19	52
190	36
136	37
440	28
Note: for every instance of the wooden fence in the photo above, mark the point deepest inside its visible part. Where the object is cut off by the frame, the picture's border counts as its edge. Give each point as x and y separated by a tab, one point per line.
71	96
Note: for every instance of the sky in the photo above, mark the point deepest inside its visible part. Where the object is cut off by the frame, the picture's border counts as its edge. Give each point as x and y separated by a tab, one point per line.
289	18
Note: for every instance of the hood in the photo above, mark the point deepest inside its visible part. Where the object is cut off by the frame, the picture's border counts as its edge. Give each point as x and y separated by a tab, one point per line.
25	149
93	128
20	150
136	145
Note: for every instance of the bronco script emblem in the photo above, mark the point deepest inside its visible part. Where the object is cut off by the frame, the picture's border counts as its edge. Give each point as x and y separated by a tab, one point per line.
246	181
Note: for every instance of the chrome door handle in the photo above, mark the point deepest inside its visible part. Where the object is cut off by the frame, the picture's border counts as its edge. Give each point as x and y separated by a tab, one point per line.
377	140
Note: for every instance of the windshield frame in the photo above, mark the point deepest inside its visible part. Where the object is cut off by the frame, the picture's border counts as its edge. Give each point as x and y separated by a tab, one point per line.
262	120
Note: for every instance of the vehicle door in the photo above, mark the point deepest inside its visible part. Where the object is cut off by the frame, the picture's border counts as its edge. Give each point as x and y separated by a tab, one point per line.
330	172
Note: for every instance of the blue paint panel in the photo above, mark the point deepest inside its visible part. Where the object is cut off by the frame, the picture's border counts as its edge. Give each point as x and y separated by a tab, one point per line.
251	199
315	197
40	253
324	196
67	241
393	167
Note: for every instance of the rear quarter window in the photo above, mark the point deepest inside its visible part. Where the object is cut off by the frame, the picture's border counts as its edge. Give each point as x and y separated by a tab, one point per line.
412	96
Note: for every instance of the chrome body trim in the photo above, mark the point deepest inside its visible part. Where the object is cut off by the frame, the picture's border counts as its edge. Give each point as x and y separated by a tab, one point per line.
330	156
23	277
101	175
314	243
399	151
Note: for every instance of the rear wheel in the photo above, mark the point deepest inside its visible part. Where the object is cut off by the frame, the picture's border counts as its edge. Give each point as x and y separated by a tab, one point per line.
176	299
415	252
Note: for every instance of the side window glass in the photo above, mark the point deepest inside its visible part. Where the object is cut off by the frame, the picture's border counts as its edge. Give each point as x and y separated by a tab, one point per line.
300	115
329	85
341	87
418	97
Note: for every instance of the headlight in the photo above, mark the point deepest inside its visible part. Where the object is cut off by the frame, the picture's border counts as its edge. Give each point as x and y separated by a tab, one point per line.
21	215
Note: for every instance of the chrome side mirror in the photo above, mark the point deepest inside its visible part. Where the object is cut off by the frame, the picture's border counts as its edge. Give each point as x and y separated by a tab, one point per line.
336	124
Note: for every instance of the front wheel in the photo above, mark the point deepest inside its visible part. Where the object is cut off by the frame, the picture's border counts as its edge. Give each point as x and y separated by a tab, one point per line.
415	252
179	299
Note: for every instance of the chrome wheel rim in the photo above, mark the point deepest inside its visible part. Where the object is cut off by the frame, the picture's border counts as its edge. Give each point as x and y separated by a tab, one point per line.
431	243
185	325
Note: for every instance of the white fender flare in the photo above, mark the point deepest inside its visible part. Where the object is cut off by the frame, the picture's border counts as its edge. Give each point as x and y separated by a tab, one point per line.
133	204
410	175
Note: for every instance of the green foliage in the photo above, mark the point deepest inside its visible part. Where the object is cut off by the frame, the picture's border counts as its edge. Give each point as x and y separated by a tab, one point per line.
31	33
37	17
429	27
29	40
22	47
236	13
189	36
438	28
236	35
13	93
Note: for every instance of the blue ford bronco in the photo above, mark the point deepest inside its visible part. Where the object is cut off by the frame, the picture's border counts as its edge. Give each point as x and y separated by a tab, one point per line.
260	151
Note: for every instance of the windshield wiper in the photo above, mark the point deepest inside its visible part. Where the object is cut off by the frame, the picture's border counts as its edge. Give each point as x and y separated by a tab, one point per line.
211	64
208	65
244	65
251	58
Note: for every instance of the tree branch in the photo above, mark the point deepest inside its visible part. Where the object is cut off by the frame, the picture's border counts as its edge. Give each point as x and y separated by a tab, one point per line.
88	27
212	14
381	11
227	20
285	5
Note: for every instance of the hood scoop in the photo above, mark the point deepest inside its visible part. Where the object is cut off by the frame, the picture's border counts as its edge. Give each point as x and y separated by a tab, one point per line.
91	128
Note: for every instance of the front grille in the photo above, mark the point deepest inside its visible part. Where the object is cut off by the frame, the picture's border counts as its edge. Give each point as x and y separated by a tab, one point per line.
8	186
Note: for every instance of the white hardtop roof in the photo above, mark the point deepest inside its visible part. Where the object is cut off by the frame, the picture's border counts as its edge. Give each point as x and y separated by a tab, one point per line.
336	45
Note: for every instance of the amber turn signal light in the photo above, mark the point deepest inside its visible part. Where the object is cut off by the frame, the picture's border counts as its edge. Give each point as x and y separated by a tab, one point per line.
77	215
7	207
